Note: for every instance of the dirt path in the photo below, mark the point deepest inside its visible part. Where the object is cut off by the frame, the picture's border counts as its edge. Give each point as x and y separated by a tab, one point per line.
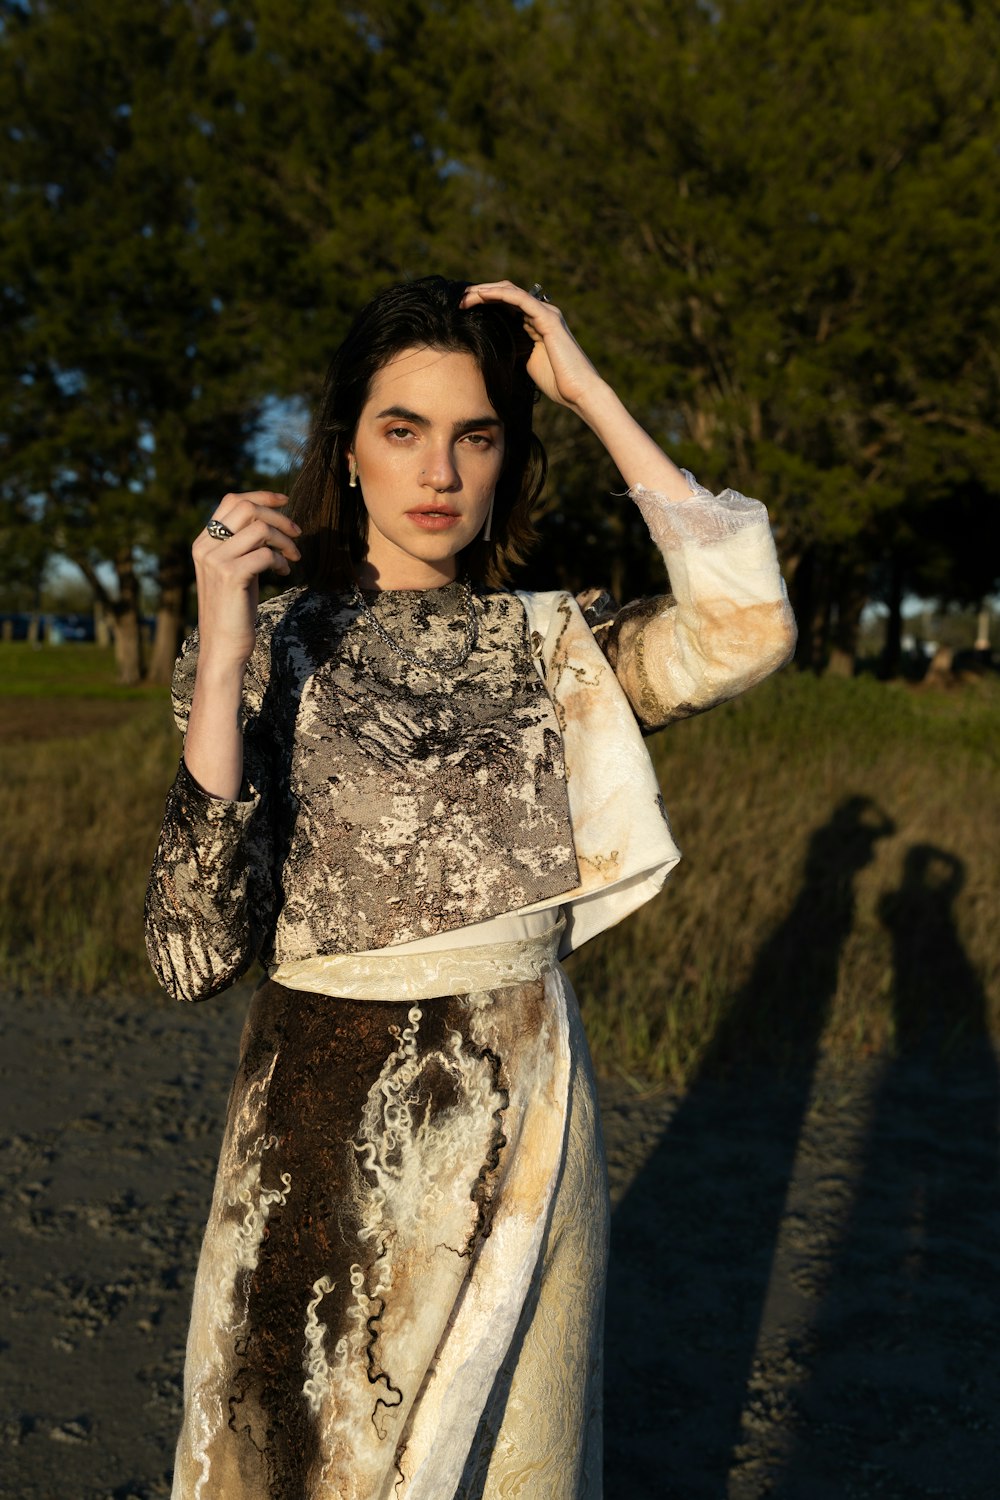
804	1300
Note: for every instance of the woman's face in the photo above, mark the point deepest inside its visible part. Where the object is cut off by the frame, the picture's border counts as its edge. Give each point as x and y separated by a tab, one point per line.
429	449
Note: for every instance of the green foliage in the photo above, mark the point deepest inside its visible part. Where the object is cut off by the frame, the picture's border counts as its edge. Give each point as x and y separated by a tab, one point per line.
127	398
195	201
773	225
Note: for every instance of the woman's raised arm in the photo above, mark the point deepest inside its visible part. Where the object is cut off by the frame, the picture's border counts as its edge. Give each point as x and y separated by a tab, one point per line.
561	370
728	623
210	897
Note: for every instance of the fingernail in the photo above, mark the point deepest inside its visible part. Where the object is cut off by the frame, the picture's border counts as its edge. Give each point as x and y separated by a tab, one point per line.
296	528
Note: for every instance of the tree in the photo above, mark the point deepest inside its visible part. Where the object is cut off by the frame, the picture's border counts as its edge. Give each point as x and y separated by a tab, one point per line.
194	199
776	246
779	246
127	392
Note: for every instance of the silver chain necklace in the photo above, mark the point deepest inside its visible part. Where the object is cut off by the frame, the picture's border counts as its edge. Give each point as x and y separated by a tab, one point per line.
450	663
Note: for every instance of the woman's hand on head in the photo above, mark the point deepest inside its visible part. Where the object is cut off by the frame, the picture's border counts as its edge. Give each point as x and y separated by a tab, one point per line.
557	364
561	369
228	571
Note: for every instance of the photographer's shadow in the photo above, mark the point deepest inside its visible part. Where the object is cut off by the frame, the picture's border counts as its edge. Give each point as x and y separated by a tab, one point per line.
903	1377
693	1240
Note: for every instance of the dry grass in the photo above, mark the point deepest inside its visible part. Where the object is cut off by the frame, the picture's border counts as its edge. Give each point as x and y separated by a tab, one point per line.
838	890
80	819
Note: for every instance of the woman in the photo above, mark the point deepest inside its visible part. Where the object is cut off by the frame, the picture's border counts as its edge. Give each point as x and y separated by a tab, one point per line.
408	790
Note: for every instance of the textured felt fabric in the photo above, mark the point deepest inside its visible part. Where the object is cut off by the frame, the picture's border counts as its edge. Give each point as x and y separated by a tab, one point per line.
401	1286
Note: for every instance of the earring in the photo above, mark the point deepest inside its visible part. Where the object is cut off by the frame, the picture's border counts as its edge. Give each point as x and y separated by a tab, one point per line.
352	471
488	528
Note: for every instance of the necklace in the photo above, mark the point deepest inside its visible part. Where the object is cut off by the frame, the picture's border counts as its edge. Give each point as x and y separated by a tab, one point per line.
450	663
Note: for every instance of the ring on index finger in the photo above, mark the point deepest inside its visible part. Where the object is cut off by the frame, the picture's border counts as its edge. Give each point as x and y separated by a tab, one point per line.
219	530
538	293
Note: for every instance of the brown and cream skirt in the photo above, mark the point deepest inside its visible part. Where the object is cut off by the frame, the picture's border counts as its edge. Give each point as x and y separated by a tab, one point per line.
400	1292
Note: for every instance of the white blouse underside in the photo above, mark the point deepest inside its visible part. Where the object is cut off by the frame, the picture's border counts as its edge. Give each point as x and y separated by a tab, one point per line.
508	949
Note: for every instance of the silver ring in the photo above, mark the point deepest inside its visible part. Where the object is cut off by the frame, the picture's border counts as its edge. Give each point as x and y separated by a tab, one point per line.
537	292
219	530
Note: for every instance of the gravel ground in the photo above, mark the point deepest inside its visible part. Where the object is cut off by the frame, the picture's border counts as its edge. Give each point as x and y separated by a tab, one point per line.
804	1298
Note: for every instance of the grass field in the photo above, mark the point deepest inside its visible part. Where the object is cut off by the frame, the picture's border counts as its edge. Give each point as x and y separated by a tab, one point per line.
838	891
72	671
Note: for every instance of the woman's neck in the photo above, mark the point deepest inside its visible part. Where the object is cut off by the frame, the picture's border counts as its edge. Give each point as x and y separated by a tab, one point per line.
408	573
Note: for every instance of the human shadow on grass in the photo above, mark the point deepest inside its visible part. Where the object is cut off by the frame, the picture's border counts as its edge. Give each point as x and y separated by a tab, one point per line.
904	1384
698	1227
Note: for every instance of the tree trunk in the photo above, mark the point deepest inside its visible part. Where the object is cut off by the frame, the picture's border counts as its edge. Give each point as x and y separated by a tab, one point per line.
103	634
840	663
121	615
851	597
127	621
892	657
174	577
810	601
983	628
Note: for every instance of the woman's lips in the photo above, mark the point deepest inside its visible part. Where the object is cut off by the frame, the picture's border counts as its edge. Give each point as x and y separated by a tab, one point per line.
434	520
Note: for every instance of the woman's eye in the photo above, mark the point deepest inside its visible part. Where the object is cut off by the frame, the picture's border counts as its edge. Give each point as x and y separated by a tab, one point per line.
477	439
400	432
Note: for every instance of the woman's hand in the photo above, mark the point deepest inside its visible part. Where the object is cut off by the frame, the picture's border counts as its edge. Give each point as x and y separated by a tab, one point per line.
228	572
559	367
557	364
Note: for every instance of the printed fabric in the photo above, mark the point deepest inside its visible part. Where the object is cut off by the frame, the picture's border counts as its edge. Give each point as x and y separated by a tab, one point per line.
401	1285
404	1262
385	802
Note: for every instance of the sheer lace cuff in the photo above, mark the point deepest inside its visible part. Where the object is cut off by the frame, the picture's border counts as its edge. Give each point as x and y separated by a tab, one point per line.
700	520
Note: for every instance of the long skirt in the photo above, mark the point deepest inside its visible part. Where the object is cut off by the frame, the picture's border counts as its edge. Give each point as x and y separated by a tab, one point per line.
401	1286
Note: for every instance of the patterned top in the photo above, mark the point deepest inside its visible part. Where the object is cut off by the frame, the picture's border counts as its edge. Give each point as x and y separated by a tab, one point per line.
384	802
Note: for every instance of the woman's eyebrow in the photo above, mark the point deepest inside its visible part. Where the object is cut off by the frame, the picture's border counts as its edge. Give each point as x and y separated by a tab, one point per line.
475	422
468	424
405	414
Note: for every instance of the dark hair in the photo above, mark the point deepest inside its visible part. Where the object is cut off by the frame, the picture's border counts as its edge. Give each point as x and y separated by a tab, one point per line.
419	314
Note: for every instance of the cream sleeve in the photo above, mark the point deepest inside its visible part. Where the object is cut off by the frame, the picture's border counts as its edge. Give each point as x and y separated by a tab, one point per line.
727	623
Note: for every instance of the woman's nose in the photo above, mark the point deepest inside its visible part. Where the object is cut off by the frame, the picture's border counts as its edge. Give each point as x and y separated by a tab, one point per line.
440	470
